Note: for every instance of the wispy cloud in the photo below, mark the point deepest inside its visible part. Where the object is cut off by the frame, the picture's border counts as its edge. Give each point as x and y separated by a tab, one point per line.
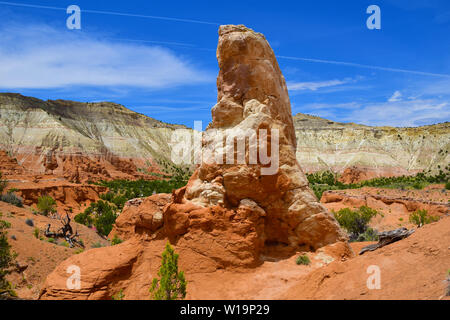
407	113
41	57
395	97
313	86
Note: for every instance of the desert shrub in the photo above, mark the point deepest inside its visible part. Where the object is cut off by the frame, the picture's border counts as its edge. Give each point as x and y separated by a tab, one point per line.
36	233
100	214
125	190
46	205
105	218
322	181
4	225
96	245
79	250
355	222
119	295
447	185
64	244
116	240
29	222
84	218
421	217
51	240
303	259
369	235
171	284
12	199
7	258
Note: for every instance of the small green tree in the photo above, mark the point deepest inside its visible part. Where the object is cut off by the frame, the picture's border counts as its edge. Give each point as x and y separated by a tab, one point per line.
421	217
46	205
356	222
172	284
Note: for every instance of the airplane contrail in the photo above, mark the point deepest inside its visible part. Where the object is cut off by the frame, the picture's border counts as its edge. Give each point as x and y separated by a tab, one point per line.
359	65
111	13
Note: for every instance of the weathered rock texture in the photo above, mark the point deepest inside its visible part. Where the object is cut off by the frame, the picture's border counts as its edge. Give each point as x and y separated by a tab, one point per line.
228	215
252	94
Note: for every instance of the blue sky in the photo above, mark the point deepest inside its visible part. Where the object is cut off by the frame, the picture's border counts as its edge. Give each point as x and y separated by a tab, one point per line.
158	57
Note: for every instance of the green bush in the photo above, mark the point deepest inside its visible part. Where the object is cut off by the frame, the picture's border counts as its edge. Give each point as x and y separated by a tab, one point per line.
64	244
105	218
100	214
323	181
355	222
36	233
12	199
85	218
171	284
369	235
46	205
116	240
304	260
421	217
96	245
119	295
7	258
447	185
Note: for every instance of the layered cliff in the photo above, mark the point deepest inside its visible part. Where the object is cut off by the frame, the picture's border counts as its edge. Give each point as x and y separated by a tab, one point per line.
74	138
109	139
377	151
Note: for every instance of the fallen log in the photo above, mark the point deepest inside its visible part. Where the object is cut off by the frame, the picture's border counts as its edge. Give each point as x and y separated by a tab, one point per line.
387	237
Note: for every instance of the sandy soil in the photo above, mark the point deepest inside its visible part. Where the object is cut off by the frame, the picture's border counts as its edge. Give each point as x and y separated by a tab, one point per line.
37	258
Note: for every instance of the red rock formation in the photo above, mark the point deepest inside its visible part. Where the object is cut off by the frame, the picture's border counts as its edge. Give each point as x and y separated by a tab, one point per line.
10	166
229	215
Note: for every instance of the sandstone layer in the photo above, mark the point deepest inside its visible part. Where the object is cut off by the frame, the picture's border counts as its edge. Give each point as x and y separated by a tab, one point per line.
229	215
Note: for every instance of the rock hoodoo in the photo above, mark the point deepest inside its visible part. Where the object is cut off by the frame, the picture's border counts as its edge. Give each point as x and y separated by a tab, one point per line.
229	214
252	95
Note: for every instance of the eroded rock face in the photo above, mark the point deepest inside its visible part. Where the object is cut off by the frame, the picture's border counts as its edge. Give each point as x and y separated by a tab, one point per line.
252	94
229	214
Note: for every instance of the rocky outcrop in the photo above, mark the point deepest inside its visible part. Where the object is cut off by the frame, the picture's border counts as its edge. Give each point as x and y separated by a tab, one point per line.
279	206
230	215
141	216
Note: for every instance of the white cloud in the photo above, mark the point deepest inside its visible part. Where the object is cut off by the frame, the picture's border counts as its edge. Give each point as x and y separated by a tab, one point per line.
407	113
40	57
395	97
313	86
